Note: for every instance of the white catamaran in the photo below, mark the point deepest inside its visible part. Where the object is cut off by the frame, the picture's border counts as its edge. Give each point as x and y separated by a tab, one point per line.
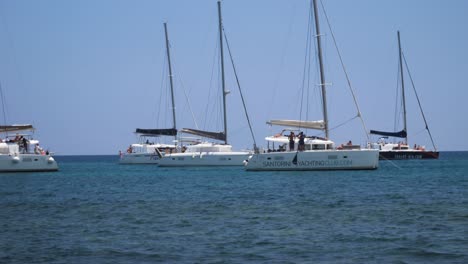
208	153
19	152
311	153
147	151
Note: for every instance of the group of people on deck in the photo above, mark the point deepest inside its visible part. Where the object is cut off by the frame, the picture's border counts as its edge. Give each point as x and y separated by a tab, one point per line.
418	147
23	144
301	143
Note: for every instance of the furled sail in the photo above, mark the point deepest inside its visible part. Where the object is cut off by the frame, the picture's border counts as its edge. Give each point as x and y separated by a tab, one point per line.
400	134
15	128
320	124
208	134
157	132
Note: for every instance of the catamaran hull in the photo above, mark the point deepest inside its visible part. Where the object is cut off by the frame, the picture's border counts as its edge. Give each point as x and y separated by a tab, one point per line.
204	159
27	163
405	155
314	160
139	159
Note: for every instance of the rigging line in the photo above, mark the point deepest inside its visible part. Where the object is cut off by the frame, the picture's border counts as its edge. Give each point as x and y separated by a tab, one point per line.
166	101
346	73
163	79
3	107
309	52
345	122
419	102
419	132
219	97
283	55
185	95
240	90
188	103
211	83
306	65
12	46
396	114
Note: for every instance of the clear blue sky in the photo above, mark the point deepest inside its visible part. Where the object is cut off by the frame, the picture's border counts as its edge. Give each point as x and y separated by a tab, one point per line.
87	73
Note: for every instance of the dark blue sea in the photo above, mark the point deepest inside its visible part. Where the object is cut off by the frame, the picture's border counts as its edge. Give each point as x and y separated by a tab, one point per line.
96	211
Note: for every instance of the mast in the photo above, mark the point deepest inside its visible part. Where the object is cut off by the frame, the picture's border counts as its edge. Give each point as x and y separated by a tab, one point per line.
222	69
402	88
322	75
170	78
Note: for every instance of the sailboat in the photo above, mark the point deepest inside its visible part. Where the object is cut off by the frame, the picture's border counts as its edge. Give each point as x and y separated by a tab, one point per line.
311	152
401	150
147	151
19	152
208	153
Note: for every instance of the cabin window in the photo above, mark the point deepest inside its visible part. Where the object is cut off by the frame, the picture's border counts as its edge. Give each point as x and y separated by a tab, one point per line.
279	158
332	157
318	146
180	158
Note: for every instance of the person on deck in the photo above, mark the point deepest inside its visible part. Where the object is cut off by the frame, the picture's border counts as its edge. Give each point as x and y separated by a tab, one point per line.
301	146
38	149
25	145
291	141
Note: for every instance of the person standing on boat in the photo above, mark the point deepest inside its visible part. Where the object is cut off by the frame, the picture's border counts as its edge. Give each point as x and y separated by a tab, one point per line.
20	144
25	145
291	141
301	145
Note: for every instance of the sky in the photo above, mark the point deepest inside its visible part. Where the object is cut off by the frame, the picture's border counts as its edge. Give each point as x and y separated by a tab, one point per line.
87	73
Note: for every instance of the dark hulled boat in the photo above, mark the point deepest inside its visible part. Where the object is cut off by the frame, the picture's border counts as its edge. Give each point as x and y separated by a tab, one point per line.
401	150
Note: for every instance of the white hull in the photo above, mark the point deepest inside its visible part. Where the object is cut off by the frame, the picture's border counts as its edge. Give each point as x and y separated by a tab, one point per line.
315	160
204	159
27	162
143	153
139	158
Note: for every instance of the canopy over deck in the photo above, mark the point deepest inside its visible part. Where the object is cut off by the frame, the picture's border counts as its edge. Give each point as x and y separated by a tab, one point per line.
16	128
319	125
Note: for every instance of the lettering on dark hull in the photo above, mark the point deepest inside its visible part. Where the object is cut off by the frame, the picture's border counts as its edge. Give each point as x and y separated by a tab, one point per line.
408	155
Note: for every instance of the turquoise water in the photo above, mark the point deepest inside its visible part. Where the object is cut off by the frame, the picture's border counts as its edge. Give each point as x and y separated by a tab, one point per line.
96	211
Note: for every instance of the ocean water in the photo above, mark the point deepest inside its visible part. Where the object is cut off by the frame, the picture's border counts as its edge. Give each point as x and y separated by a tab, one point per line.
96	211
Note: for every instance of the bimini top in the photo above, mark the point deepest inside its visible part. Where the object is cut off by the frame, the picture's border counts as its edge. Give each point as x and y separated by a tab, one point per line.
15	128
320	125
400	134
214	135
157	132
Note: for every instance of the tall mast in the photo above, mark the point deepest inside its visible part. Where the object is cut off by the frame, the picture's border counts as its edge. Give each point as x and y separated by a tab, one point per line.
402	88
222	70
170	78
322	75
